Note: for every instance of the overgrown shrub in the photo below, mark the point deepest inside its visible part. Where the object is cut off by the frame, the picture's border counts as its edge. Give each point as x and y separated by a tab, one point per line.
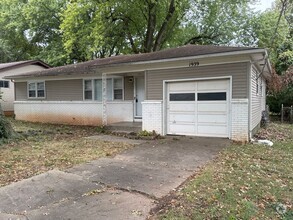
6	130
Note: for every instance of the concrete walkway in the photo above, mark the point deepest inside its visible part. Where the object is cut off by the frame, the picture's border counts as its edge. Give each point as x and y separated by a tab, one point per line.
123	187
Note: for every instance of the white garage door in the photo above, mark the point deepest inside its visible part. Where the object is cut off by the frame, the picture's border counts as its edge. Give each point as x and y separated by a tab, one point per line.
198	108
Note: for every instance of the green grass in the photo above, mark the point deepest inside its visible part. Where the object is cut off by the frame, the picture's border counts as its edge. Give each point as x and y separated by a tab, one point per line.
44	147
244	182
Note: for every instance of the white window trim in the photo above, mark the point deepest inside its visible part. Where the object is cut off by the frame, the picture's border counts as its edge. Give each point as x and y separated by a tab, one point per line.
36	90
93	88
3	84
83	89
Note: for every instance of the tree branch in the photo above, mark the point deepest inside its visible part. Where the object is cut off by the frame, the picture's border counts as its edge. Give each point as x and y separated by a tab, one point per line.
151	26
163	28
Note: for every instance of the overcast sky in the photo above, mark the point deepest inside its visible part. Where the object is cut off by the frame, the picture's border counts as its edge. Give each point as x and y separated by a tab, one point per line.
263	5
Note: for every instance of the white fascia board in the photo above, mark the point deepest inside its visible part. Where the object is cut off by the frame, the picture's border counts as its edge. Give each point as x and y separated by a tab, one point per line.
203	56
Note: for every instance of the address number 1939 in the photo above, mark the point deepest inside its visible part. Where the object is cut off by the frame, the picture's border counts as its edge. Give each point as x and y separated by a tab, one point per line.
193	63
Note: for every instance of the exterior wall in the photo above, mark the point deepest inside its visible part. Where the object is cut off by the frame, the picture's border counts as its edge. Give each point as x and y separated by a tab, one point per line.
64	90
75	113
258	100
238	71
8	93
239	120
152	116
20	91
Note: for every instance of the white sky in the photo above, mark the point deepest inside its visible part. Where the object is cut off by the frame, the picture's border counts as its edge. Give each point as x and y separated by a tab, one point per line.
262	5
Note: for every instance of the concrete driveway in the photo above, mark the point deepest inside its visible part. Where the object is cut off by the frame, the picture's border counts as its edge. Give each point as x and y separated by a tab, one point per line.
124	187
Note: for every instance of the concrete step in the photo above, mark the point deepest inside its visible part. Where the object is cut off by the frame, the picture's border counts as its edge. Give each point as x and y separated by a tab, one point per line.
125	127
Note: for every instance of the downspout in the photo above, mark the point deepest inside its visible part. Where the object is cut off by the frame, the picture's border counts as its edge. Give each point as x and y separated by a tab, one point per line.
249	101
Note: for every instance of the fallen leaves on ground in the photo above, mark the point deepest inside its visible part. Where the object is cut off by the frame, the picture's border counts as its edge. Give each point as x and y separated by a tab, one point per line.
46	147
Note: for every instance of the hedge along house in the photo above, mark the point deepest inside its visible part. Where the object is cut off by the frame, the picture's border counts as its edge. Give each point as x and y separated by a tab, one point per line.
7	87
191	90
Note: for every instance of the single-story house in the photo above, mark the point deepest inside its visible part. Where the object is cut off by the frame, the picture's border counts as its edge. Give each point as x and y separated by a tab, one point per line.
7	87
214	91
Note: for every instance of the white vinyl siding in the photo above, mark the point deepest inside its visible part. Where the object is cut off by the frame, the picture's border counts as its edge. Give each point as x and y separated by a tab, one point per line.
258	96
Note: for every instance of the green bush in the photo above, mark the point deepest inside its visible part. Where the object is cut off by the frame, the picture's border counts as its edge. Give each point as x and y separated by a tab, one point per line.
285	97
6	130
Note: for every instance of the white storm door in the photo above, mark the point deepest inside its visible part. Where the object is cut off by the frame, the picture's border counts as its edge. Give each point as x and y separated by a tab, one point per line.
139	95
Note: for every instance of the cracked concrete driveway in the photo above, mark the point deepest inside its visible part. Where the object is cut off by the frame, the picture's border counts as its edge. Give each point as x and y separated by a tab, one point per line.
124	187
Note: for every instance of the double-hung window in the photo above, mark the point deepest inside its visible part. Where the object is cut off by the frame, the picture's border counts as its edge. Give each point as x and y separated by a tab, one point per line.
4	84
93	89
36	89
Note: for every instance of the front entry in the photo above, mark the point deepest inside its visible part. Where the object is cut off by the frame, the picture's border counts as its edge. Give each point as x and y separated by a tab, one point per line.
139	96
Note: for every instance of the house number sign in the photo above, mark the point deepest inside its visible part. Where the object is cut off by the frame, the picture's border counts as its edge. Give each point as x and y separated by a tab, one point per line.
193	63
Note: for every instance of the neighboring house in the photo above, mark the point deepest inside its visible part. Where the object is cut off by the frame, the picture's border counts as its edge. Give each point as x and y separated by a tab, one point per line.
7	86
192	90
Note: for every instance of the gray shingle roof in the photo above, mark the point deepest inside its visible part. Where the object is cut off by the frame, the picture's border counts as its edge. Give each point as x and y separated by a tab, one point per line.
179	52
11	65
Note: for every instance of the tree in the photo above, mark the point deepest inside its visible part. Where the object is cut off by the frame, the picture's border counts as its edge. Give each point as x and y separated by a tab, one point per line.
273	30
220	22
98	29
30	30
104	28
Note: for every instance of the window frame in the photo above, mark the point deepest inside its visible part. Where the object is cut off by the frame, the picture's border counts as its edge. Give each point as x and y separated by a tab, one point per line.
3	83
36	90
112	85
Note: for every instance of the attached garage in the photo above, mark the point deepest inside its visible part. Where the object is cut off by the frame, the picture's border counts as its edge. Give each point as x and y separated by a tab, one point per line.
198	108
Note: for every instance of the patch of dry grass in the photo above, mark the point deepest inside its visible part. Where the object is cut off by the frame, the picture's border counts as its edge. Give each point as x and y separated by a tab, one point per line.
244	182
45	147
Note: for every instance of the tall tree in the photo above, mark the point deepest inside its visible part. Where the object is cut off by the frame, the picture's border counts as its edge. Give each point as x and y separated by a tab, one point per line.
273	30
30	30
102	28
99	29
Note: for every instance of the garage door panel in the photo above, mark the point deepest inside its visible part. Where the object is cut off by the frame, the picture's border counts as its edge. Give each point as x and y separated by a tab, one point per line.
182	106
212	130
182	86
182	129
212	107
212	85
216	119
186	117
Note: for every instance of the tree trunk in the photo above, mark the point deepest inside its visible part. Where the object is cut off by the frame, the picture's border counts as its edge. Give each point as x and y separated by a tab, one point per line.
160	35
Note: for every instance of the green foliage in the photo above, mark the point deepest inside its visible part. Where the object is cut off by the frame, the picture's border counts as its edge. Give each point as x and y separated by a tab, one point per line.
145	133
284	56
285	97
30	30
279	43
63	31
219	22
6	130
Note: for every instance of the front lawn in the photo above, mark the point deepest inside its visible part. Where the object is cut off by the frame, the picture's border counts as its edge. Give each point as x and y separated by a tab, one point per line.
244	182
45	147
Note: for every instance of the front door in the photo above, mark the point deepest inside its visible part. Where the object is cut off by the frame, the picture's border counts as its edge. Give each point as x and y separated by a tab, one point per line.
139	96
